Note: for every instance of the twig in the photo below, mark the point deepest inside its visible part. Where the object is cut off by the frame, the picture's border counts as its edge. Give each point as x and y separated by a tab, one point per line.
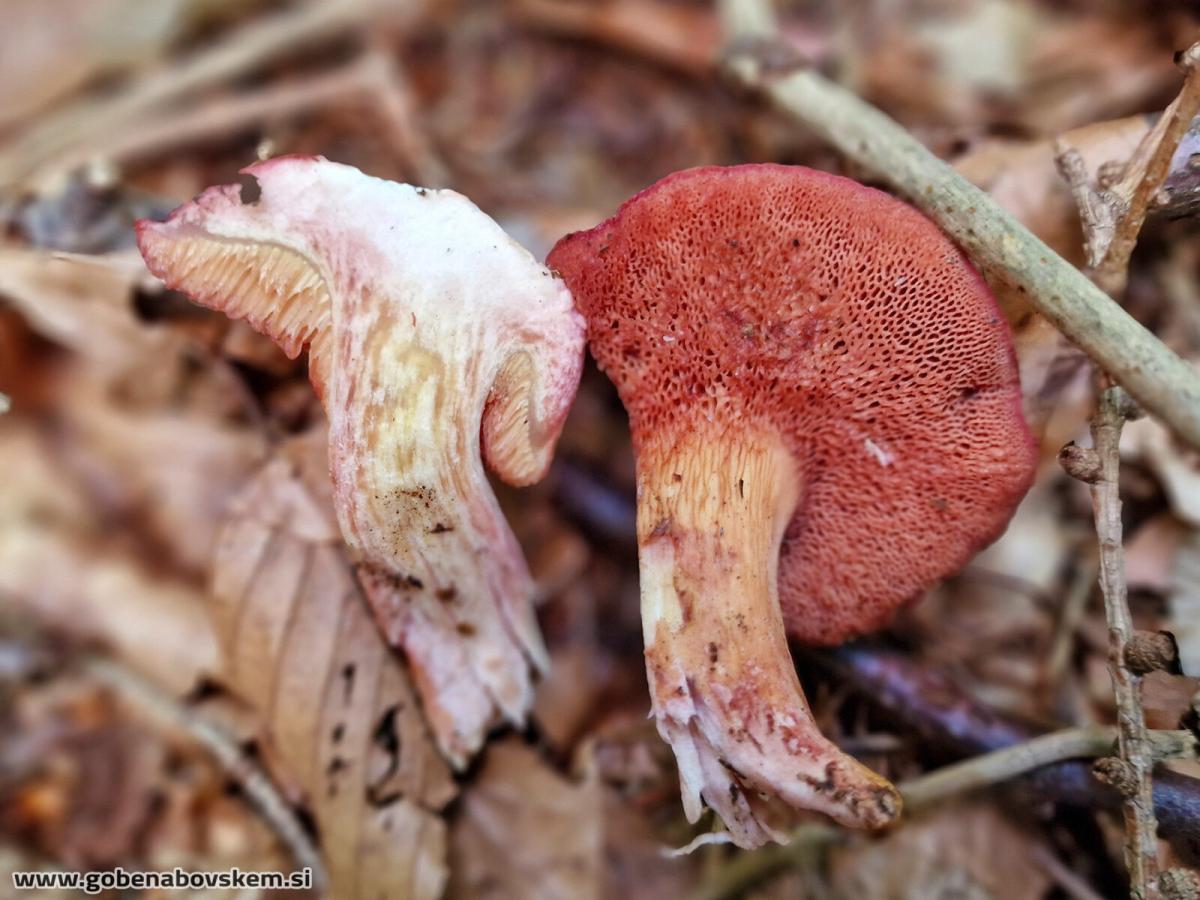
1146	171
746	870
393	97
1127	203
1099	211
219	117
1070	883
1111	235
1180	191
251	47
1113	216
372	76
923	792
1151	372
1178	196
1011	762
1074	606
951	722
224	748
1141	849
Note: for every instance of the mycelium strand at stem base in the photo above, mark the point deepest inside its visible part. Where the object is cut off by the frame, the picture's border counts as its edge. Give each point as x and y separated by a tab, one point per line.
711	516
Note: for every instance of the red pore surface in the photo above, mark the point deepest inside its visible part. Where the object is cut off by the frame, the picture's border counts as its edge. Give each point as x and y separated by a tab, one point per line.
725	301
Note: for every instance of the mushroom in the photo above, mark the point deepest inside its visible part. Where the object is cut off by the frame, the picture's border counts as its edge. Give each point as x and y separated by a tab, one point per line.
430	333
825	412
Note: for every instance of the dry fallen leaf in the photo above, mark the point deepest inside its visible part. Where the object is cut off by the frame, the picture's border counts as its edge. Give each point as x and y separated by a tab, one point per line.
167	466
1177	468
526	833
678	35
52	47
965	851
339	712
83	302
1184	603
1150	554
55	566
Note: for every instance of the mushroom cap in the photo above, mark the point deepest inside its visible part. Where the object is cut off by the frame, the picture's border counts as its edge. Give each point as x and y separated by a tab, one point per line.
436	343
781	299
429	254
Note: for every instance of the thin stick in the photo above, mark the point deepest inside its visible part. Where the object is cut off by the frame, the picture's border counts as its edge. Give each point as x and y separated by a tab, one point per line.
1074	606
1002	765
250	778
1131	772
1141	848
1099	211
217	118
1146	172
1071	884
371	77
1116	234
1160	381
613	25
748	869
946	717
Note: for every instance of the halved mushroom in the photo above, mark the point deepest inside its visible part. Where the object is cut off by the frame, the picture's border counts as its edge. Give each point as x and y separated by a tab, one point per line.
430	333
826	415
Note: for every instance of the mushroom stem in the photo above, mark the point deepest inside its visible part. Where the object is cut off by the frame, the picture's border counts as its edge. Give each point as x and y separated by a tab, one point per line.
711	516
453	592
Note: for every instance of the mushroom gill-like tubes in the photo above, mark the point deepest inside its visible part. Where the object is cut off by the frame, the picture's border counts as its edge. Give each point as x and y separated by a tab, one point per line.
825	411
432	336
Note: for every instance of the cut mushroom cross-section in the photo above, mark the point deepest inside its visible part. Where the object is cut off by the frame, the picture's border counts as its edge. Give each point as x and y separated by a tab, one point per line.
431	335
826	416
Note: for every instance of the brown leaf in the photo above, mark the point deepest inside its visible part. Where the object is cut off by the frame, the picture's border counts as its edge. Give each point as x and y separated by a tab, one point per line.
165	466
300	647
83	302
678	36
52	47
967	851
55	566
1151	554
527	833
1177	468
1184	606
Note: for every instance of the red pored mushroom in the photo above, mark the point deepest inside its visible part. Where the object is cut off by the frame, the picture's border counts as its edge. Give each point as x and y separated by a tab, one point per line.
432	335
826	415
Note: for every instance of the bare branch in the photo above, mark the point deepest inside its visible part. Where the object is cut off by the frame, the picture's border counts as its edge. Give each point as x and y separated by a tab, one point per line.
1145	173
1136	758
1012	762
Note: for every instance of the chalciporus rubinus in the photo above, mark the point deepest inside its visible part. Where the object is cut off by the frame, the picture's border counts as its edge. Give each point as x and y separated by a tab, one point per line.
825	412
431	334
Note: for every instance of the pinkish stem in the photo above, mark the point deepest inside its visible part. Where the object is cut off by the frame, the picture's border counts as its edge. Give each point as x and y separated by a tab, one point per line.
724	690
